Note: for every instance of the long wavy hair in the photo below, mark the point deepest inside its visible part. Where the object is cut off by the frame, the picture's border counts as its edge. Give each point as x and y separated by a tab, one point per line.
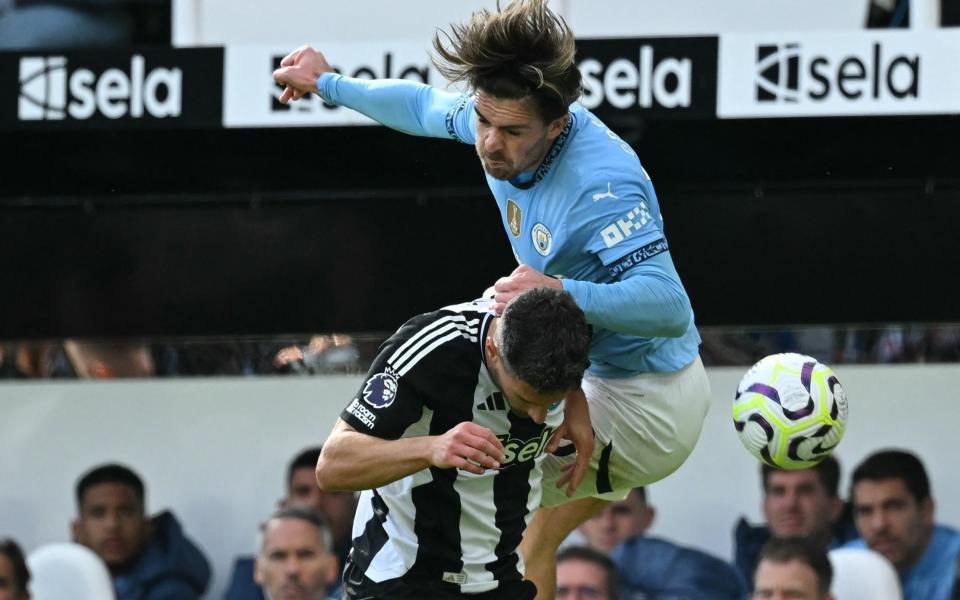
522	50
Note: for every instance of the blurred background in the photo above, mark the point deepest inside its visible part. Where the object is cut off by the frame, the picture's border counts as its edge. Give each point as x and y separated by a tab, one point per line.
194	277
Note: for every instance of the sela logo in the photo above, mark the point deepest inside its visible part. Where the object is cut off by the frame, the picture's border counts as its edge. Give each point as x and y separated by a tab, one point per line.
312	103
786	75
646	82
623	228
50	90
520	451
380	390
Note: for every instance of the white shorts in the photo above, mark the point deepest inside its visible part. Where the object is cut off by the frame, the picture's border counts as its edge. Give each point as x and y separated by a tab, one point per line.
645	427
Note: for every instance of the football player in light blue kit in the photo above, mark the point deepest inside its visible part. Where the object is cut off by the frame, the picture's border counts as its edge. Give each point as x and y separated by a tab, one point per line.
580	213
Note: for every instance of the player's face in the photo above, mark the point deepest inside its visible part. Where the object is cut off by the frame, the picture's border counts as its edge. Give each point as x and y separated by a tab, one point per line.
796	503
581	580
512	138
303	490
525	401
617	523
112	523
293	564
891	521
792	580
8	583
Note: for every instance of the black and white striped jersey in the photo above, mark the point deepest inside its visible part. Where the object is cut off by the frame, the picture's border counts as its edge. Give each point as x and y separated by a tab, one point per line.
445	525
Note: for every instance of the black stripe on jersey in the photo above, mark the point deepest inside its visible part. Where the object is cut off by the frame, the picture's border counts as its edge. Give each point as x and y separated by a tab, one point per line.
437	520
603	470
373	538
511	487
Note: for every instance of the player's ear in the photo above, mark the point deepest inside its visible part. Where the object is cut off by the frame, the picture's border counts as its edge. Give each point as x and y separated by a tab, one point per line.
258	570
836	509
493	351
556	126
333	567
927	509
649	514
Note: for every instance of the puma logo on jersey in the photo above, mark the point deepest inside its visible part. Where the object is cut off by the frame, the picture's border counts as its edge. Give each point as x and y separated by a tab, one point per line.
608	194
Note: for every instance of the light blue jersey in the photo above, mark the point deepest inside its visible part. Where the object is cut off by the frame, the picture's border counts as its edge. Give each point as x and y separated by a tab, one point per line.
588	215
936	572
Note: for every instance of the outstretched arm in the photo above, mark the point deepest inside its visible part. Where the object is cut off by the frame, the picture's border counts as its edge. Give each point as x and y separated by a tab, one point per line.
649	301
403	105
351	460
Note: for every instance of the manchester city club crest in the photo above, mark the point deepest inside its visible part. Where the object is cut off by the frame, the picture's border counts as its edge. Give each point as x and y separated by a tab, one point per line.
380	390
514	217
542	239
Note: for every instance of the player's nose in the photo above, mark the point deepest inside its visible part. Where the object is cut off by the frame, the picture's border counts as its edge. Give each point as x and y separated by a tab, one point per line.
538	414
493	142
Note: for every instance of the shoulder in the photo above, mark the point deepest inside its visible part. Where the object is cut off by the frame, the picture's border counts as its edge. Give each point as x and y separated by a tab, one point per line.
242	586
600	167
947	539
597	146
417	341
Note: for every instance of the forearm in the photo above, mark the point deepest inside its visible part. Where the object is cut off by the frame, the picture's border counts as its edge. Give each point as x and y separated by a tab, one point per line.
406	106
648	305
356	461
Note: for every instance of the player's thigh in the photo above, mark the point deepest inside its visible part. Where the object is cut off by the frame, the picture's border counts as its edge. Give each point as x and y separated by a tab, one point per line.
646	427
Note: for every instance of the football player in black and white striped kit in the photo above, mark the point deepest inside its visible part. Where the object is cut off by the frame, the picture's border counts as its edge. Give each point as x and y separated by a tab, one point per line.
446	437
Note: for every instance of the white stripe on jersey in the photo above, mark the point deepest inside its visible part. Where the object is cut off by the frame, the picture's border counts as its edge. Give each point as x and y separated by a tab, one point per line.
468	329
437	342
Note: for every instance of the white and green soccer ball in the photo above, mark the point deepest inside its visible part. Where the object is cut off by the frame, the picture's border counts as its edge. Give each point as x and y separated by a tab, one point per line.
790	411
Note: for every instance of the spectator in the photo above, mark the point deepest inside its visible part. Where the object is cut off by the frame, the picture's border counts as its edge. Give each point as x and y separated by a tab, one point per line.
336	508
894	513
14	575
585	574
148	559
295	560
323	354
793	568
654	568
795	503
619	521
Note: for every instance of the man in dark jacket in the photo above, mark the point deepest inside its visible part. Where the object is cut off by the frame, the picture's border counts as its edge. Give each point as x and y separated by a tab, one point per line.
654	568
147	558
802	503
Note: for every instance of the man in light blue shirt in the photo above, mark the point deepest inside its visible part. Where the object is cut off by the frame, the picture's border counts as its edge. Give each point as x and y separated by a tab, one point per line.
581	214
893	511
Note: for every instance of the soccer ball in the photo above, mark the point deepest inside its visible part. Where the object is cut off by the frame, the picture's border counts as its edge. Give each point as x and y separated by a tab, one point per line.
790	411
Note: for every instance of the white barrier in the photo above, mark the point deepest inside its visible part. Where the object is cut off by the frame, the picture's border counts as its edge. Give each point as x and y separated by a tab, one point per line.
215	450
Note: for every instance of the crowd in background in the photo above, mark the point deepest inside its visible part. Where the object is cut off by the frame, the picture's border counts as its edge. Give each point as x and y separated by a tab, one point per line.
882	541
351	354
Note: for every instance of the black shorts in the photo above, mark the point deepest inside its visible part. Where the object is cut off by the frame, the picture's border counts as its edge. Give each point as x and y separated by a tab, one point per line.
356	586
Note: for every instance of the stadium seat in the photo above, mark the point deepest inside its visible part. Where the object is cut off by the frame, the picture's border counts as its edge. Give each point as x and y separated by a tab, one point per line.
860	573
68	572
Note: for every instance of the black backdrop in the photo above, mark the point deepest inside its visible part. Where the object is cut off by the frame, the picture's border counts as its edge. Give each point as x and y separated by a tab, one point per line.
193	232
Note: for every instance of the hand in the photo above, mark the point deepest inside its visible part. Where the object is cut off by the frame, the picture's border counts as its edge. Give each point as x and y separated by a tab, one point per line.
299	71
577	428
468	446
523	278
